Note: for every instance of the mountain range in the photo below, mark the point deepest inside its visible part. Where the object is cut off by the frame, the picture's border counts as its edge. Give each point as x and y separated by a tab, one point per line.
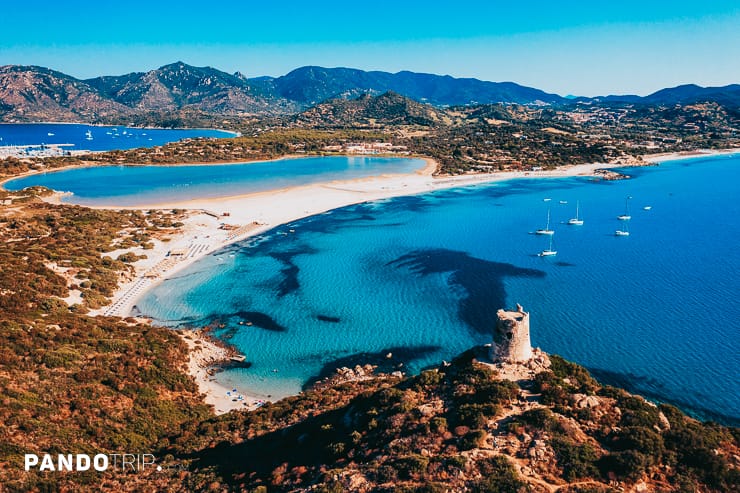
31	93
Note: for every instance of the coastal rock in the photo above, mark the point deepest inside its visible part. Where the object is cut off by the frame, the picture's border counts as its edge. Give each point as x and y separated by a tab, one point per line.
538	450
664	423
582	401
610	175
345	374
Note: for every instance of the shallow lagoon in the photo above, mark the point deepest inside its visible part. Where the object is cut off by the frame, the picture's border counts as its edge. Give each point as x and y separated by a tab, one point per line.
147	185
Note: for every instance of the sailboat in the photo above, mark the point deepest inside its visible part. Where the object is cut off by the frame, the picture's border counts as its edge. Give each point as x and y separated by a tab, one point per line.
549	252
625	230
576	221
546	230
626	216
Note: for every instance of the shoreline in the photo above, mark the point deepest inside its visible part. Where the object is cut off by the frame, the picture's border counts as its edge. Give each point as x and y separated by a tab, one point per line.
205	355
253	214
684	155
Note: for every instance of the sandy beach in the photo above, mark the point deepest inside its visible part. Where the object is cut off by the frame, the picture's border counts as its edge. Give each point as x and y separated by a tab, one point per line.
700	153
252	214
205	357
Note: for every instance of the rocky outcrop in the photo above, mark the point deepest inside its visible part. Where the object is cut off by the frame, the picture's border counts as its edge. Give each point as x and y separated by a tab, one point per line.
345	374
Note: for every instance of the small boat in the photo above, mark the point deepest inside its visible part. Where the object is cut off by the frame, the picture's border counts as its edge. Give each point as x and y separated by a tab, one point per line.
626	216
546	200
647	207
576	221
546	230
50	134
88	135
624	231
549	252
563	202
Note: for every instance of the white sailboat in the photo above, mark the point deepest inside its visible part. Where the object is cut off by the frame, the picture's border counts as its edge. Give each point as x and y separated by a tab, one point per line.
626	216
624	231
546	230
576	221
549	252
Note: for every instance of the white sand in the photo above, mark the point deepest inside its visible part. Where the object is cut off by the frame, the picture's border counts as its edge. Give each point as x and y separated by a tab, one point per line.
676	156
204	354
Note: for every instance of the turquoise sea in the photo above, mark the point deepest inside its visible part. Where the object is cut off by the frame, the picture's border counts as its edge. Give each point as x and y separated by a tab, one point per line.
101	138
421	277
145	185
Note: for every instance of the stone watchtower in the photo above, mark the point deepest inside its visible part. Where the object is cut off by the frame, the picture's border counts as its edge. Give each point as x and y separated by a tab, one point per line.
511	337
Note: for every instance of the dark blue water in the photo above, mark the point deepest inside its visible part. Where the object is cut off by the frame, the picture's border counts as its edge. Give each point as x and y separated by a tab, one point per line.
422	277
103	138
146	185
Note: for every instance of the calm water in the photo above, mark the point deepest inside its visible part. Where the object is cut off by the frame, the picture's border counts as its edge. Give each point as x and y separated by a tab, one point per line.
422	277
103	138
144	185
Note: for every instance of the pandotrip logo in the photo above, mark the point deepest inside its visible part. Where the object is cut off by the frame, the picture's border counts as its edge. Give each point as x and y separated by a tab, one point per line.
124	463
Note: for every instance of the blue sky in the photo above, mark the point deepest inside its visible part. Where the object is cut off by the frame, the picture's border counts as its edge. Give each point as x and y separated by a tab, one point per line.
567	47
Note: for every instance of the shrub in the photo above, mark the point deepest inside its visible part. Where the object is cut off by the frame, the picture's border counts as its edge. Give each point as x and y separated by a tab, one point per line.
499	477
628	464
428	380
411	466
576	460
474	439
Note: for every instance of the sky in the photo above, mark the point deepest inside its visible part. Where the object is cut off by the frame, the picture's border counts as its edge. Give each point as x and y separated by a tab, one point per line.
586	48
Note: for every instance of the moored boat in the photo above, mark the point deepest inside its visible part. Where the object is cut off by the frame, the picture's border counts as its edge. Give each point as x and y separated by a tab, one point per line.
576	221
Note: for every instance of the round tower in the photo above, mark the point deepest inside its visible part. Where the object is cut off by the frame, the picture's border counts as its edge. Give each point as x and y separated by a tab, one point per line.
511	342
